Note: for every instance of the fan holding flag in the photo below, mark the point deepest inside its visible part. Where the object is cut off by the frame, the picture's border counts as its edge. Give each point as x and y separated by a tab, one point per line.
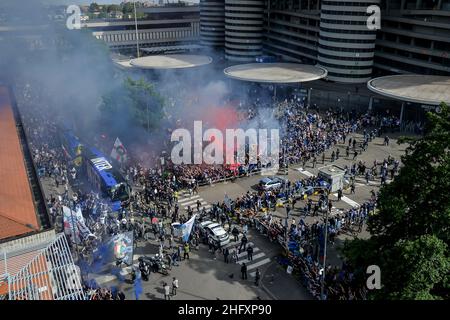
186	228
119	152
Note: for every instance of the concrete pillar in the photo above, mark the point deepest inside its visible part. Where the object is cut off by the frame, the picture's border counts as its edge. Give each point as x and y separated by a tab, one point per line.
370	103
309	97
401	112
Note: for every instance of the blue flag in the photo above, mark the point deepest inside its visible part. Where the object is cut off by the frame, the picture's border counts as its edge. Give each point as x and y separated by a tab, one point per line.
186	228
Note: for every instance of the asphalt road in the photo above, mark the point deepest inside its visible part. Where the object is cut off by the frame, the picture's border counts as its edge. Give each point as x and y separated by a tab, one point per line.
203	277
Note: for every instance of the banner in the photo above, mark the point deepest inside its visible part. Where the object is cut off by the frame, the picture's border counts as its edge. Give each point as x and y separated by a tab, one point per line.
186	228
119	247
74	224
227	202
118	152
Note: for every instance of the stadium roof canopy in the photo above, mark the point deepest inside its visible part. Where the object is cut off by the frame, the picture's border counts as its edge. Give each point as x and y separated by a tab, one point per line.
275	72
423	89
171	61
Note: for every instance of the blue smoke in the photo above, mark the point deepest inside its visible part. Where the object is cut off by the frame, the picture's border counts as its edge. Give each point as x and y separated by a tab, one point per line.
138	285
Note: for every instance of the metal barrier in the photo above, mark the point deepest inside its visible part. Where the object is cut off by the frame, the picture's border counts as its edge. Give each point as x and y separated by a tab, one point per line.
50	275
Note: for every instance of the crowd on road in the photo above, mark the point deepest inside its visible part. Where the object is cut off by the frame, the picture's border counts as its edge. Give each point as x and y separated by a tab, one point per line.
153	204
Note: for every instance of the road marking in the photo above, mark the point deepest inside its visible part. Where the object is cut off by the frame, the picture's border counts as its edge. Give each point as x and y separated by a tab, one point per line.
192	202
258	264
195	206
244	254
255	257
187	199
236	243
306	173
347	200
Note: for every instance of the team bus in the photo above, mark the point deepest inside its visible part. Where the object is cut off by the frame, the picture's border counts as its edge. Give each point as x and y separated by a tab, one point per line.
100	173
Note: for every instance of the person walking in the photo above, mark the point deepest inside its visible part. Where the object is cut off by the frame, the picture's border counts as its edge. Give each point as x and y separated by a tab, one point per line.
355	154
179	253
257	277
352	188
166	289
186	251
226	254
235	233
339	194
250	253
243	243
174	286
244	271
169	261
235	256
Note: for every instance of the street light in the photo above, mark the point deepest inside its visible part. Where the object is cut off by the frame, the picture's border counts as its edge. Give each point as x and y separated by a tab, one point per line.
322	284
135	23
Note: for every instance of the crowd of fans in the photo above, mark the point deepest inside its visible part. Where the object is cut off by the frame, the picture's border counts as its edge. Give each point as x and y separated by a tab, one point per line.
306	133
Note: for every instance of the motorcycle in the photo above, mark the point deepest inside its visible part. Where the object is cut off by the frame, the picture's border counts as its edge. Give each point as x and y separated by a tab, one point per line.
156	263
145	269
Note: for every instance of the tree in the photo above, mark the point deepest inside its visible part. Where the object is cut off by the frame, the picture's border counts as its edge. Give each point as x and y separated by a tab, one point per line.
113	8
127	7
94	7
410	233
145	103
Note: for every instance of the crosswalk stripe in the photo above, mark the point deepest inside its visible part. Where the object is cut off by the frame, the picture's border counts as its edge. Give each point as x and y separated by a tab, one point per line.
348	201
235	243
239	244
192	202
244	253
305	172
203	203
255	257
258	264
206	207
187	199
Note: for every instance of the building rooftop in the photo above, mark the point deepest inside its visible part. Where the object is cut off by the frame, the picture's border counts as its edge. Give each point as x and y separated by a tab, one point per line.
17	210
172	61
424	89
275	72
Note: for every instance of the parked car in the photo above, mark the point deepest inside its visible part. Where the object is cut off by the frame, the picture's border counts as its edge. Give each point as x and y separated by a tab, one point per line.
270	183
217	233
202	225
308	190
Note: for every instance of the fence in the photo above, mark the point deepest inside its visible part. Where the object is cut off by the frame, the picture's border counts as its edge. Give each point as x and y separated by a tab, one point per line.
50	275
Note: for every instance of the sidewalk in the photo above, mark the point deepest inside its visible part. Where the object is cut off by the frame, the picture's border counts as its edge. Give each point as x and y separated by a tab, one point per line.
282	286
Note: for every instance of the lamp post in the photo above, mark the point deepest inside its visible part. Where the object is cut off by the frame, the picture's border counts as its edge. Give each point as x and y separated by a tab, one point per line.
135	23
322	284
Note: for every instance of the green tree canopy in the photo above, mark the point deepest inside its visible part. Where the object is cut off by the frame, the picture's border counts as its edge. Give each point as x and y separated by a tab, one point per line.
410	232
146	104
113	8
139	99
93	7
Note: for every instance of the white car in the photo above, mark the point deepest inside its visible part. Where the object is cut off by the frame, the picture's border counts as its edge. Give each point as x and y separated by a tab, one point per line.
217	233
271	183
